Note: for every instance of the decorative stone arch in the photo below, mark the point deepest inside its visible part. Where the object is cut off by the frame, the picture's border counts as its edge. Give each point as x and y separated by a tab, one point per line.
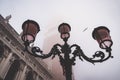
14	57
11	74
14	65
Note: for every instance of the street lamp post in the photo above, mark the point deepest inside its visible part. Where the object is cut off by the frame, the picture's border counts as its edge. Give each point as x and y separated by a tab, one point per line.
101	34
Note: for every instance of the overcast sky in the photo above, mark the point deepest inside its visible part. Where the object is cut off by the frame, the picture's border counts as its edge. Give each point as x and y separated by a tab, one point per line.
80	14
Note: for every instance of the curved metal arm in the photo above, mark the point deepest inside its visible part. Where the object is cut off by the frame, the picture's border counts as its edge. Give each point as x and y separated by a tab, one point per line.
98	54
36	51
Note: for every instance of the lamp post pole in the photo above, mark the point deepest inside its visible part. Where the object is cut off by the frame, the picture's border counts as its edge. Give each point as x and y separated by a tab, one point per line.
101	34
67	62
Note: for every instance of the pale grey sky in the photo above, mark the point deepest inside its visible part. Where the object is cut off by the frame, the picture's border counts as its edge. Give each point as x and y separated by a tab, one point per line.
80	14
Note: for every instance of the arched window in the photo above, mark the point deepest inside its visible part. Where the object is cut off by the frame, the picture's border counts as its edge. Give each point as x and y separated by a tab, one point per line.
13	70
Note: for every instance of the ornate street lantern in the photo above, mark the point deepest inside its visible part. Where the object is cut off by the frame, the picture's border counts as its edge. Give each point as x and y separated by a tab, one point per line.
101	34
30	30
64	29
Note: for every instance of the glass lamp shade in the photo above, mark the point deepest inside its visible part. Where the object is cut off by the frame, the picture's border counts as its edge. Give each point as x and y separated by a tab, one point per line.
65	35
102	35
64	28
30	30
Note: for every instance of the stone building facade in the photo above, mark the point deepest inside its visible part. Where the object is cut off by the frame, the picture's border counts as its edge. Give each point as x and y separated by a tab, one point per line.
15	63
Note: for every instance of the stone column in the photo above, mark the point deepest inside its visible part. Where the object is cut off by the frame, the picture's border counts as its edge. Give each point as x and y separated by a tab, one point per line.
37	77
34	76
5	65
23	74
2	63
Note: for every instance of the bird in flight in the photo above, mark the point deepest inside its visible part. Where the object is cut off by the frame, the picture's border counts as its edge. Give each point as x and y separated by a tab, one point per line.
85	29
